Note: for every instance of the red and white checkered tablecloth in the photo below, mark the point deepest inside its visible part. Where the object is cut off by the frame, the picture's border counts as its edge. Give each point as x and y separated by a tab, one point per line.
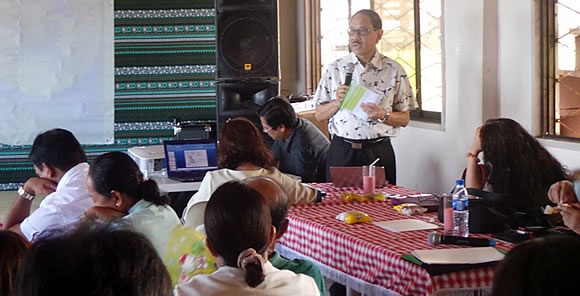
369	252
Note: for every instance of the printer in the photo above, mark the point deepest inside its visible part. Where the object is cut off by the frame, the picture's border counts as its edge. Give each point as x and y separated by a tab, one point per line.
150	159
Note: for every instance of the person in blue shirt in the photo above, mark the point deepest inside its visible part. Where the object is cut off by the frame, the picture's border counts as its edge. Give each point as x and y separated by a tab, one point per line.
299	146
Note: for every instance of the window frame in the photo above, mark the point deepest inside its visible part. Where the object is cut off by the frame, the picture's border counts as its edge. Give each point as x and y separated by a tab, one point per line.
419	114
548	71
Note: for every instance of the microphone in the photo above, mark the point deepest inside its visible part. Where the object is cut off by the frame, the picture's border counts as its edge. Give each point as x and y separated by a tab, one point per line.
349	70
436	239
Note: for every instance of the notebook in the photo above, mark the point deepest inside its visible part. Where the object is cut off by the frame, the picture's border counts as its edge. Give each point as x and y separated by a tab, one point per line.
189	160
352	176
406	225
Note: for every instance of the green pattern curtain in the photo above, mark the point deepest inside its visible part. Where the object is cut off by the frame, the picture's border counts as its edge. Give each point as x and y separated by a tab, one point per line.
164	69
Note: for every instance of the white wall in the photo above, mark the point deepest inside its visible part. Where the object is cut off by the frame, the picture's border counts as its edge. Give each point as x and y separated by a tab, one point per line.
516	61
430	159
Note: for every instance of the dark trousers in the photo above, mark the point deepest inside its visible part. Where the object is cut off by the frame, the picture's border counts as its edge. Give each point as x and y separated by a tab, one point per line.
343	152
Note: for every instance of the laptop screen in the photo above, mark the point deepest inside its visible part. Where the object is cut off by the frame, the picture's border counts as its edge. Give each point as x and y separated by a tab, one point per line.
195	157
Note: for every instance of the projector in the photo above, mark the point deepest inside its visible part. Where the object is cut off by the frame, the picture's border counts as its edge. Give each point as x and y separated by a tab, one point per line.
149	158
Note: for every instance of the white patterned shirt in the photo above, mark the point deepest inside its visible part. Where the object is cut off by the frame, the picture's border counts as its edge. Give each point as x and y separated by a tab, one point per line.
381	75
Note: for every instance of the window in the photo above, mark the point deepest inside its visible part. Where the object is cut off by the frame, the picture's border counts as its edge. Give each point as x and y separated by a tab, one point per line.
412	37
561	68
334	18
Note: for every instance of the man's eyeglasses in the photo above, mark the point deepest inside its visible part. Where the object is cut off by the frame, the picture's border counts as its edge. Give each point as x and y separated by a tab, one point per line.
266	129
361	32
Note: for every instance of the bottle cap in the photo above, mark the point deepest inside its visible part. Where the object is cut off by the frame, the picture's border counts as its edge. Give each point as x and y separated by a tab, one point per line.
459	182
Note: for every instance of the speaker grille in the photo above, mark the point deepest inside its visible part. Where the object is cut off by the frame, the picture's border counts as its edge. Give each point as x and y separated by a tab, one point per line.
247	45
247	40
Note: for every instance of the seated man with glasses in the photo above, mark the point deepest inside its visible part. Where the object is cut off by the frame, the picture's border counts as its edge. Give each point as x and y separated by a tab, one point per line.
299	147
357	141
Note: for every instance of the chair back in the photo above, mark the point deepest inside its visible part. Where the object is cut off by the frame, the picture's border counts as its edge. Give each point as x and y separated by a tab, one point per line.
195	215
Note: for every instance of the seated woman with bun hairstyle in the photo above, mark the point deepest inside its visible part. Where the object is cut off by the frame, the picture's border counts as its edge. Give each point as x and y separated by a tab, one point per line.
239	231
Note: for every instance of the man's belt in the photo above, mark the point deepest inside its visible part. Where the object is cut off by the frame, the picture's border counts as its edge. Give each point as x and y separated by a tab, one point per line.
360	144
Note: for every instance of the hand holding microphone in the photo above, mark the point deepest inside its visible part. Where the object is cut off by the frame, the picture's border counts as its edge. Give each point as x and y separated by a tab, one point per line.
435	239
341	93
342	89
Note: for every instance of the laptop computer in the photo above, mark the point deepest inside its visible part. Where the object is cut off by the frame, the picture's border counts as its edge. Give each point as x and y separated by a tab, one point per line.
189	160
352	176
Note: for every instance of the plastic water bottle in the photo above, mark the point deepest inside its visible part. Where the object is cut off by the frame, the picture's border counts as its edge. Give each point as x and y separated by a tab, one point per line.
460	209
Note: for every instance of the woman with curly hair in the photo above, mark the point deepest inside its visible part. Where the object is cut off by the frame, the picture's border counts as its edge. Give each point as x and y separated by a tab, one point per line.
515	165
242	154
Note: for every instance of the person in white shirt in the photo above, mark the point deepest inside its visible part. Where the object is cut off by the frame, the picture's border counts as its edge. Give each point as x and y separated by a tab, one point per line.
239	232
61	166
122	195
242	154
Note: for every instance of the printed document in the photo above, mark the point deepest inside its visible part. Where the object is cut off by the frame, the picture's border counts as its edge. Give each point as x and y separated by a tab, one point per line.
355	96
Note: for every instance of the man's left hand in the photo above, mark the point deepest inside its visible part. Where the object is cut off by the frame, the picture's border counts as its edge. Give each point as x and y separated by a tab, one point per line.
374	111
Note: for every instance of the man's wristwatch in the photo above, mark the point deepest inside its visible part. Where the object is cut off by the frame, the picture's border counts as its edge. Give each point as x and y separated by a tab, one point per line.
24	194
381	120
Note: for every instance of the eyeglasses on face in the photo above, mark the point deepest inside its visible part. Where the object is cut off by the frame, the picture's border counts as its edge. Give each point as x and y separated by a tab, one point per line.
266	129
361	31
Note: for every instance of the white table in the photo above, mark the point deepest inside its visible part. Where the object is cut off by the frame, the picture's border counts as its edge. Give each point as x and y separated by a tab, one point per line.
167	185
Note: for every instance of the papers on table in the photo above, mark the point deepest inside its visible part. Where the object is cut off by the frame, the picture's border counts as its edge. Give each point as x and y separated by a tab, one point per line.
357	95
406	225
459	256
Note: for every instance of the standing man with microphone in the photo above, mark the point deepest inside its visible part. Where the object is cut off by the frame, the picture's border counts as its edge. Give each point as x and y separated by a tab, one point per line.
355	141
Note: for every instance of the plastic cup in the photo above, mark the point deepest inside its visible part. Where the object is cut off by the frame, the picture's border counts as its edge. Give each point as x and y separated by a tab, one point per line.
369	181
447	213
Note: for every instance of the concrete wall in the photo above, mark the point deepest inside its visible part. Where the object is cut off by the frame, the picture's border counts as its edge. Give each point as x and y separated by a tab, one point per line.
431	157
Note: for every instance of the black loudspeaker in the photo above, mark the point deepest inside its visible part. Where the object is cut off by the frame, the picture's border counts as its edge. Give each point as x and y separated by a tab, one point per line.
247	40
243	99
